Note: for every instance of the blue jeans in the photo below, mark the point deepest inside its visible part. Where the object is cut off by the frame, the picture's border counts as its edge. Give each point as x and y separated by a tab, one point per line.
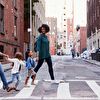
14	76
3	78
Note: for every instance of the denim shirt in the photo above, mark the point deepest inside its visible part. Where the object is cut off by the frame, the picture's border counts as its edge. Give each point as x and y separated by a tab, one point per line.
30	63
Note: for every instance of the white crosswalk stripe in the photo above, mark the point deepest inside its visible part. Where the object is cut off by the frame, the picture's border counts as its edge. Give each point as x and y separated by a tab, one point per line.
63	91
95	87
27	91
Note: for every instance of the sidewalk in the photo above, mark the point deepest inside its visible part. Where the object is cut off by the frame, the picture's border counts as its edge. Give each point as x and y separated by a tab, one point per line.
92	62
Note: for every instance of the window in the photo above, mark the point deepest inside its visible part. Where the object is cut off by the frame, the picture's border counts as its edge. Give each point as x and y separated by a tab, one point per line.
61	37
1	18
15	50
61	45
64	19
64	36
64	45
64	30
15	26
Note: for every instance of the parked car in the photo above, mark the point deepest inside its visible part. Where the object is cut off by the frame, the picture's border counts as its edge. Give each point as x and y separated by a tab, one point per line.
86	54
97	50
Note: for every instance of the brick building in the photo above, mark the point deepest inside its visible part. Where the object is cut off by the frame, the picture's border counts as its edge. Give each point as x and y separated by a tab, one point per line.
52	22
81	40
70	36
93	24
11	26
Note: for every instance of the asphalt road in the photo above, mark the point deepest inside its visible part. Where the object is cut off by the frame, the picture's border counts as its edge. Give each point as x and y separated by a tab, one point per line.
75	79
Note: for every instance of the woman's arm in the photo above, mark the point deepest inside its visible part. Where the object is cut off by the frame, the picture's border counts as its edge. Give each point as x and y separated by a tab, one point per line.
11	60
38	45
2	54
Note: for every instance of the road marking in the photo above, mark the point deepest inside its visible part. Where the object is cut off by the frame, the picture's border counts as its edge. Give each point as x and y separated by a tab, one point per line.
48	98
22	98
27	91
95	87
77	80
63	91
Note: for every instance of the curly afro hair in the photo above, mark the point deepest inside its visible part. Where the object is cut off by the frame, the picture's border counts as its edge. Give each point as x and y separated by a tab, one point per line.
44	26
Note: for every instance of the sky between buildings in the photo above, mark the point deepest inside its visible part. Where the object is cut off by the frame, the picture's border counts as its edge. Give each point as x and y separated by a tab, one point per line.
54	8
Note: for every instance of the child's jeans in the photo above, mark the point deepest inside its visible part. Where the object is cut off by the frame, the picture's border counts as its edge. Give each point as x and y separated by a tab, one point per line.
15	76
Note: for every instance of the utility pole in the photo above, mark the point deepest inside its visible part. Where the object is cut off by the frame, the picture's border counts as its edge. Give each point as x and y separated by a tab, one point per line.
31	25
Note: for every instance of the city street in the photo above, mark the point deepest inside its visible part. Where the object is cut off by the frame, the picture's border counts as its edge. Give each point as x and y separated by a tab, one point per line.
41	28
75	79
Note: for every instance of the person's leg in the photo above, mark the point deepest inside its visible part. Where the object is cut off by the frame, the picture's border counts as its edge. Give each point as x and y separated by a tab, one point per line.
33	73
27	78
49	62
3	78
17	77
32	76
12	79
40	62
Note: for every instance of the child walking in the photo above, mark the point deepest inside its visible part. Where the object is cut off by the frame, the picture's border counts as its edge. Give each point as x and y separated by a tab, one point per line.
17	62
30	64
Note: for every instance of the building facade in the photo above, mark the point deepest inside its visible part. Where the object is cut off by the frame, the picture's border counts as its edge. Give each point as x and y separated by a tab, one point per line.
52	22
64	30
67	27
93	24
81	40
11	26
39	17
70	37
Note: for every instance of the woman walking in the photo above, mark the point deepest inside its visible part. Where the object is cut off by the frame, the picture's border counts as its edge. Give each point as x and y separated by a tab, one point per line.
43	51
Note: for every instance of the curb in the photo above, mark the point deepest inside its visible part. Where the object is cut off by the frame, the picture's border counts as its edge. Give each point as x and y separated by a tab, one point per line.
92	62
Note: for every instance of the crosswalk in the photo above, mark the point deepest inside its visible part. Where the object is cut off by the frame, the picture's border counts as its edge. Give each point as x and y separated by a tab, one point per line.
59	90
